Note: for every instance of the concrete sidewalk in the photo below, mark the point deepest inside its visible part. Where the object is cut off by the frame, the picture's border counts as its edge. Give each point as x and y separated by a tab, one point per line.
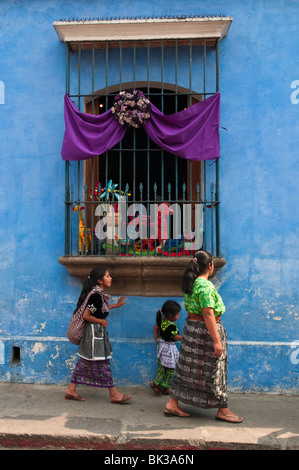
38	417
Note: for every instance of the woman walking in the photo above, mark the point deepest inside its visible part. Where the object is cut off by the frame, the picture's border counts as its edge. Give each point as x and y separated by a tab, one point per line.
93	365
201	372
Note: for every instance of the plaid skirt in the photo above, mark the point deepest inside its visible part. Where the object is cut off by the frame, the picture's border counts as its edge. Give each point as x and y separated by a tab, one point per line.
94	373
200	377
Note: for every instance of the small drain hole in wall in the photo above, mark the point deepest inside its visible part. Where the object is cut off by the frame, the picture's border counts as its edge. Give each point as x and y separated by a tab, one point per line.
16	355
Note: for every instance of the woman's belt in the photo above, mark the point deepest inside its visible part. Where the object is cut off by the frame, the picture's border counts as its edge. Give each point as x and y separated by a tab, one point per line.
200	317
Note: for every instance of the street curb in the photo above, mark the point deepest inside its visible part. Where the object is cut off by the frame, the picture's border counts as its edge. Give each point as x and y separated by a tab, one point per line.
44	442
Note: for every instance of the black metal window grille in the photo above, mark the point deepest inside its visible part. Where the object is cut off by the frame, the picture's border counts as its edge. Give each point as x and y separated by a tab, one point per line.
173	75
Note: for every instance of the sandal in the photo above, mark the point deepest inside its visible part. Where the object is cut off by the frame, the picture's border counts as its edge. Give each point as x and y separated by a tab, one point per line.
67	396
124	399
229	418
155	388
171	413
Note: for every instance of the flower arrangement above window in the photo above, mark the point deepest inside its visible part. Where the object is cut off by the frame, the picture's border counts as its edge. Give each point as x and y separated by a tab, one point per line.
131	108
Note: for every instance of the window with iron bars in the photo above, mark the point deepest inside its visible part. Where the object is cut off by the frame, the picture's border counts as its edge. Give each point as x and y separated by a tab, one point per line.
165	198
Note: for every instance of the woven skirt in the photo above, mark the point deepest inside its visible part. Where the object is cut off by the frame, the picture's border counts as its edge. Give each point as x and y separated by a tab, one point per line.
200	377
94	373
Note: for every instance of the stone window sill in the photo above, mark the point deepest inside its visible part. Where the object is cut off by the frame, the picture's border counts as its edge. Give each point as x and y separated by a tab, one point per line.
149	277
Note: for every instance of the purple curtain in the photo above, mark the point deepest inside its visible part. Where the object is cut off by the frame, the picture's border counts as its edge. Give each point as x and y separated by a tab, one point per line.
191	134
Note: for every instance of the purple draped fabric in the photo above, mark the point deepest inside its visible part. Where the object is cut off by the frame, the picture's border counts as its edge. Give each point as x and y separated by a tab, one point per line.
191	134
86	135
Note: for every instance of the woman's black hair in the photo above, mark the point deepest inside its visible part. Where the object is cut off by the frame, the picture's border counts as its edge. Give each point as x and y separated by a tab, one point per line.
197	266
170	309
90	282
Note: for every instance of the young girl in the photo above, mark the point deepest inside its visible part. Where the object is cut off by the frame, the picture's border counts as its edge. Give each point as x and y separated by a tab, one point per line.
93	366
166	334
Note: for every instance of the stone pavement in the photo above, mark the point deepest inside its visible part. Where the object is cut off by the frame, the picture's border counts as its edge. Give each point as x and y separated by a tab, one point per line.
38	417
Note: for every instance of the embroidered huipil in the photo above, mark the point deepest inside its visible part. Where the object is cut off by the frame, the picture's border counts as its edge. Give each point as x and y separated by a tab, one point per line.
168	330
203	295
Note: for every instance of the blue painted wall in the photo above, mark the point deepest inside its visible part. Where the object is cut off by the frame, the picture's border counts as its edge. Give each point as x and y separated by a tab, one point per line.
259	83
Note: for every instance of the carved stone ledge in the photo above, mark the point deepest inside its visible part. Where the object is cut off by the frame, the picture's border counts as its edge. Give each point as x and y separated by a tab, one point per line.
144	276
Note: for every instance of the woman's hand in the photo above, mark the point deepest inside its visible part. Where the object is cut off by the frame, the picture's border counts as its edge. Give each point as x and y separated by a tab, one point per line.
208	314
121	301
104	323
218	348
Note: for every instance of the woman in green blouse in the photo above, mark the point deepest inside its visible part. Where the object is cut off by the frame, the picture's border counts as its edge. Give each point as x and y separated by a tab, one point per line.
201	371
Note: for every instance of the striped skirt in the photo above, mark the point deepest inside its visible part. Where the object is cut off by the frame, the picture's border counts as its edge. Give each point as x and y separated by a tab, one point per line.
94	373
200	377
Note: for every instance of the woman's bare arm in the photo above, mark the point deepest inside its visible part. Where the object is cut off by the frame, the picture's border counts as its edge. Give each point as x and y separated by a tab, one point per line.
208	314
